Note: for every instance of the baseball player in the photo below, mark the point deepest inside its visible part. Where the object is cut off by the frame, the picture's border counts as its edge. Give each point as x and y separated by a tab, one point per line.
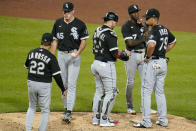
41	65
160	41
132	32
70	36
106	52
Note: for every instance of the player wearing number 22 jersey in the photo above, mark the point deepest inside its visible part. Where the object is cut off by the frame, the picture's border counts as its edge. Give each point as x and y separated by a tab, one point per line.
42	66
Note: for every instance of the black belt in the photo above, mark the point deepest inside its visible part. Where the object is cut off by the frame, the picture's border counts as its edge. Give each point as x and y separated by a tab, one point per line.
67	51
137	51
105	61
157	57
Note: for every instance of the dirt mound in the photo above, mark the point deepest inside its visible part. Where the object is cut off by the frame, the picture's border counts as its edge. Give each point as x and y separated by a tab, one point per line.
82	121
177	15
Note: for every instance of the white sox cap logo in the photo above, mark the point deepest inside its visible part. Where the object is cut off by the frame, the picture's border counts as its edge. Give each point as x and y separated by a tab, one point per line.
135	7
66	5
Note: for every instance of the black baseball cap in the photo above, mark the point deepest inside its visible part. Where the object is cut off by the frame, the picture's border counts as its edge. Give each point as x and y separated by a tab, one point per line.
111	16
133	8
68	6
152	13
47	37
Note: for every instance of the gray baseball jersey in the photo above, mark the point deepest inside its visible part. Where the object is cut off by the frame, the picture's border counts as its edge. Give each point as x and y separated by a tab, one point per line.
154	75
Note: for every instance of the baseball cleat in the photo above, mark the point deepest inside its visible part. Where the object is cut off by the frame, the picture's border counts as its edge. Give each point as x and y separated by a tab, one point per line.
67	117
113	121
95	121
159	123
108	124
131	111
138	125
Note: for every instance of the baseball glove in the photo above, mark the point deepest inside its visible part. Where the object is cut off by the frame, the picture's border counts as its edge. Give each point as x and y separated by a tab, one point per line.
167	59
123	56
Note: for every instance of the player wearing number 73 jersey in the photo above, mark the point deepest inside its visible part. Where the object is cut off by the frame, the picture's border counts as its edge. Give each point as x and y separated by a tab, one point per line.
42	65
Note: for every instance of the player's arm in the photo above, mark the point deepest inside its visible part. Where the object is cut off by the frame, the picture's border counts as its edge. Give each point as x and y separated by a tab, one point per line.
132	43
56	73
171	41
54	46
81	48
113	48
55	40
151	43
83	36
59	82
170	46
150	48
130	37
26	65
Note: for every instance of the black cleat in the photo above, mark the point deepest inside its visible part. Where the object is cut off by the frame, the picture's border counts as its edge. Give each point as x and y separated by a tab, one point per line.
138	125
67	117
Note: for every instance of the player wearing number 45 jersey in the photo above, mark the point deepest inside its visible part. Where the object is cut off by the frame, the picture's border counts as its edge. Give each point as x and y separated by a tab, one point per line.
159	41
41	65
70	35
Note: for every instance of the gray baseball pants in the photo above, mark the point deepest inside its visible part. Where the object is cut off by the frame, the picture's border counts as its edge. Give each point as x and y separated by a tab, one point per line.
38	92
135	62
105	78
154	73
70	68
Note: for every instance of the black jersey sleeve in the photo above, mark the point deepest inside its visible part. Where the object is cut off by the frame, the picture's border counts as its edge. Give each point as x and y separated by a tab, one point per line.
55	69
152	37
128	33
171	38
59	82
26	65
84	32
112	43
54	31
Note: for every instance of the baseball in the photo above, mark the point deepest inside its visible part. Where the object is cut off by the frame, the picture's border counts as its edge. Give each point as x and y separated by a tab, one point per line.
73	54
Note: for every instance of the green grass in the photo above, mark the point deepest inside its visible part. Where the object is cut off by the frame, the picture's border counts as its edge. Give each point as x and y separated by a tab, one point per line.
19	35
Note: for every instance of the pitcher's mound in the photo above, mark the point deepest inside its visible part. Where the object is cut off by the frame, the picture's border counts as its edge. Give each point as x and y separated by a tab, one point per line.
82	121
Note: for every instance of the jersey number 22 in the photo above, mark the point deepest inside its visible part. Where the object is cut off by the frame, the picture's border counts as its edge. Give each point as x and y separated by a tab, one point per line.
37	68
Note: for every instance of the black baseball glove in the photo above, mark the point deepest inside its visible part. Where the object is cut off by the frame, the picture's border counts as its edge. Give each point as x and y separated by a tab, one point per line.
123	56
167	59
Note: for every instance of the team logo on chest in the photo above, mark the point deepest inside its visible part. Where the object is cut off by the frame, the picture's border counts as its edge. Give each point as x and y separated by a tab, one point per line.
74	33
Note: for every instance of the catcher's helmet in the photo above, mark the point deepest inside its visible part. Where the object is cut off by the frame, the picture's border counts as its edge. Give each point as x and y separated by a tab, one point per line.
111	16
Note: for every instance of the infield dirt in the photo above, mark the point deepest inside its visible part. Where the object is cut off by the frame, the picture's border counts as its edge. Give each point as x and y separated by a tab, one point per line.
82	122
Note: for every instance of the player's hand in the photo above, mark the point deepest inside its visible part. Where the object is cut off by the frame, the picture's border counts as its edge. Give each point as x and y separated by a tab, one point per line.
64	93
141	21
128	53
74	54
146	59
